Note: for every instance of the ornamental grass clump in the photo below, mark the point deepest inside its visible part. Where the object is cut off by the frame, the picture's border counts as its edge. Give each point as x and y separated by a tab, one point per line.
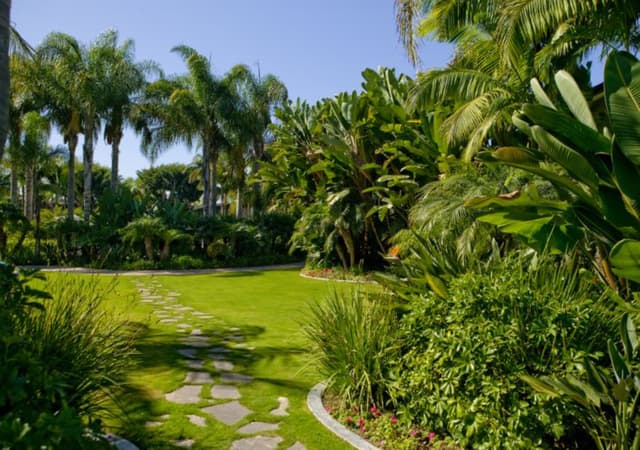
354	335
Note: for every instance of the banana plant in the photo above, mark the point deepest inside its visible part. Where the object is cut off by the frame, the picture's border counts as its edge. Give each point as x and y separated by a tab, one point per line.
616	390
595	171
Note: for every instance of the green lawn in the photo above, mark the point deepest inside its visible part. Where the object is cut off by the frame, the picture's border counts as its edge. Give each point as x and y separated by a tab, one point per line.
268	308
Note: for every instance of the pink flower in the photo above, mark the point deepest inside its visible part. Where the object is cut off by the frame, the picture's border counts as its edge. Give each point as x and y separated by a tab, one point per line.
360	422
431	436
373	409
329	409
382	443
393	419
413	432
348	419
362	428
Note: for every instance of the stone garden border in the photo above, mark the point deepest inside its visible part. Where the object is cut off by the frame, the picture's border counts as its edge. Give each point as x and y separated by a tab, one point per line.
314	403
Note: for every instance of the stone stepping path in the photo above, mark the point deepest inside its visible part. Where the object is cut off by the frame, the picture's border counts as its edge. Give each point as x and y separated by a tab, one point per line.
225	392
258	427
282	409
257	443
185	395
171	313
228	413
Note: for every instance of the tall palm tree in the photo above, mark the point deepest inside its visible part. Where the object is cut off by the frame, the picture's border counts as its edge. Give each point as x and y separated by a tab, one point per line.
195	109
123	78
78	72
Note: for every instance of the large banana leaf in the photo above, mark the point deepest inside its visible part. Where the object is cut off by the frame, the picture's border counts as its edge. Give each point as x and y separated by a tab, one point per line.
572	95
622	95
625	259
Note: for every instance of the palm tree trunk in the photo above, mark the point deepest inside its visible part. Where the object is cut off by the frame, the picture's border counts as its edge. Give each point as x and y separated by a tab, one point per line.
14	184
115	159
148	248
28	198
214	183
87	159
71	180
238	202
5	24
205	181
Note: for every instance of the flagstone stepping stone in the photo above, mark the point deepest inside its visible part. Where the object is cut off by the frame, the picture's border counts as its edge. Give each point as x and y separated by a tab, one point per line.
183	325
197	332
282	409
152	297
184	443
152	424
257	443
225	392
228	413
146	301
220	350
197	420
195	364
233	329
258	427
188	352
230	377
196	344
236	338
198	378
206	316
168	320
196	338
224	366
297	446
185	395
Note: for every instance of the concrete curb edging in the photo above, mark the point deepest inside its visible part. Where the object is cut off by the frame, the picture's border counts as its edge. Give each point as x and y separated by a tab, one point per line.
336	280
314	403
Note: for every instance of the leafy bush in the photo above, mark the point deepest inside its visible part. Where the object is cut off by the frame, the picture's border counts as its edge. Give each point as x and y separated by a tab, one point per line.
354	335
42	393
463	356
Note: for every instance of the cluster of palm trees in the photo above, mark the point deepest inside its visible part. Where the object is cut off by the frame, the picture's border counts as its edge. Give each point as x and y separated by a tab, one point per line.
101	89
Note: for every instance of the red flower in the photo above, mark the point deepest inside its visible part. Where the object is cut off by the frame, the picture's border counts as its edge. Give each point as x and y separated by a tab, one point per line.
393	419
329	409
431	436
348	419
360	422
362	428
373	409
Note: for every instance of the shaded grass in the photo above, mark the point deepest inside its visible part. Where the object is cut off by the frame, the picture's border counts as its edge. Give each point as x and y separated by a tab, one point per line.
268	308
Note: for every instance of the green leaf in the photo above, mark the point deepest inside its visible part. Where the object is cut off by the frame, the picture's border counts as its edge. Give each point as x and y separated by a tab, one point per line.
540	94
626	177
572	95
619	365
625	259
437	285
622	96
572	161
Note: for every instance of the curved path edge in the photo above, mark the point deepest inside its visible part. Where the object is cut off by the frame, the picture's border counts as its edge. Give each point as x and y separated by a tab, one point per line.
314	403
336	280
163	271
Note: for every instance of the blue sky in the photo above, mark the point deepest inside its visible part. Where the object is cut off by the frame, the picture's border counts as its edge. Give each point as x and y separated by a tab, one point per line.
317	48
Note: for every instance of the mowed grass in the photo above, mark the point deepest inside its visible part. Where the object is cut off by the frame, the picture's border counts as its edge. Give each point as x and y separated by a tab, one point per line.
268	309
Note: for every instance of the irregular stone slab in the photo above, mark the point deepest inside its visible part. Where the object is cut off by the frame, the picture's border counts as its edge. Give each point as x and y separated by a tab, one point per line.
257	443
196	420
233	329
230	377
184	443
196	344
168	320
236	338
152	297
146	301
221	391
258	427
228	413
192	338
220	350
197	332
183	325
195	364
198	378
188	352
297	446
165	417
224	366
206	316
185	395
282	409
152	424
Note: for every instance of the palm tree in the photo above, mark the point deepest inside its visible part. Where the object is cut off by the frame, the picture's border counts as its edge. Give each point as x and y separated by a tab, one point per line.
197	109
123	78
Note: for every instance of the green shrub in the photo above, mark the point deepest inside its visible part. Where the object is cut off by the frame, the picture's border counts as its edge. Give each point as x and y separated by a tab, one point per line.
463	356
354	337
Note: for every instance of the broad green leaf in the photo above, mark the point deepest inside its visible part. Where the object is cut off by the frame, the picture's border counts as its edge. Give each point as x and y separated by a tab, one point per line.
437	285
521	124
572	95
627	177
540	94
622	96
584	139
618	364
572	161
625	259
